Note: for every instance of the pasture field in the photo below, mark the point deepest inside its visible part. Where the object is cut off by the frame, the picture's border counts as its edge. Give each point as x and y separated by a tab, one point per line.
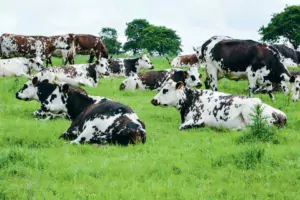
194	164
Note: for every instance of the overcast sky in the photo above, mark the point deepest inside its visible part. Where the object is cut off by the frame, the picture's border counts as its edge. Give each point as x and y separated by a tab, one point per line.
194	20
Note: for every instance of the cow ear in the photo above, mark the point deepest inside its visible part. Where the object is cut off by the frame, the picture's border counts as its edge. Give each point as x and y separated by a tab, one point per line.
137	86
292	79
194	49
34	81
185	74
200	76
31	60
65	88
179	85
97	62
45	81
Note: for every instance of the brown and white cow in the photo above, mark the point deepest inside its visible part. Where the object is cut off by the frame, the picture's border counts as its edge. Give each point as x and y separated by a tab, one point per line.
184	61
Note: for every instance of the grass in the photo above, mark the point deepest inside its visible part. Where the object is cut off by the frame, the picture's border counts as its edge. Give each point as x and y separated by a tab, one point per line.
194	164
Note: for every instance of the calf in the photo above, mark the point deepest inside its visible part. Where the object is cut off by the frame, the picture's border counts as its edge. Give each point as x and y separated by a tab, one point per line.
125	66
289	57
155	80
39	91
243	59
101	123
85	74
20	66
200	108
184	61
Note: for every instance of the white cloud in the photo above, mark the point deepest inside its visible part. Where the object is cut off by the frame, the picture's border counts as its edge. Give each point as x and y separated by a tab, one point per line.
194	20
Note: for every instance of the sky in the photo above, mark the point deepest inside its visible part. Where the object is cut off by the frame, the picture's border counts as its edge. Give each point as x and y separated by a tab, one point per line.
195	21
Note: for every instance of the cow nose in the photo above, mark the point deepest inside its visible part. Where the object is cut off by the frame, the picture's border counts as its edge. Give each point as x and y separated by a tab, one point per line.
152	67
17	96
154	102
199	85
122	86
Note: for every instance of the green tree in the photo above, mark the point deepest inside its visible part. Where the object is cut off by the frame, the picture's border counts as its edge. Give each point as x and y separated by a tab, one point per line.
110	39
133	34
161	40
285	24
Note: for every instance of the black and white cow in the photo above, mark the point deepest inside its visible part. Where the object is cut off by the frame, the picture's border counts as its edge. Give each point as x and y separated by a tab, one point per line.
20	66
155	80
200	108
84	74
39	91
288	57
125	66
101	123
243	59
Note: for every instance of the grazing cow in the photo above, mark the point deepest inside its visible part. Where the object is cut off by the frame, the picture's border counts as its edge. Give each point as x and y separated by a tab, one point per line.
199	108
184	61
84	74
289	57
20	66
243	59
155	80
101	123
125	66
39	91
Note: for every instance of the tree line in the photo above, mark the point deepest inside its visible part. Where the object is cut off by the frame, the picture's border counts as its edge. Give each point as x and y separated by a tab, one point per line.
160	40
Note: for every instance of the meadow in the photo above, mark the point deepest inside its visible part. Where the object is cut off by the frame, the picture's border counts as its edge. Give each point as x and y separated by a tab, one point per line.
200	163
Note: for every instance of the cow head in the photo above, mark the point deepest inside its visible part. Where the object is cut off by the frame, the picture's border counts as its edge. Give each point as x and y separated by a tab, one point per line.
30	90
63	41
198	52
131	83
295	89
193	78
36	64
102	66
169	95
57	100
144	62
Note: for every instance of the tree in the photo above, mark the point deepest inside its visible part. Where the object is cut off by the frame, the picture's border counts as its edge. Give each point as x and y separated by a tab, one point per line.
133	33
110	39
285	24
161	40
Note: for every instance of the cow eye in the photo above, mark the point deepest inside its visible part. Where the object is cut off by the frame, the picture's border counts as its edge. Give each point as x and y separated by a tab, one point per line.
165	91
197	52
193	78
101	65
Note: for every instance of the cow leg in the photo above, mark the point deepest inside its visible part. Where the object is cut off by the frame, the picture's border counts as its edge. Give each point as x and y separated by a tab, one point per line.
91	58
252	81
211	80
191	124
85	136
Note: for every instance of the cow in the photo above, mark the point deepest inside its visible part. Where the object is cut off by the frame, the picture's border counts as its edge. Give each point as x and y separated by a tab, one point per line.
104	122
243	59
184	61
39	91
125	66
85	44
84	74
20	66
199	108
155	80
289	57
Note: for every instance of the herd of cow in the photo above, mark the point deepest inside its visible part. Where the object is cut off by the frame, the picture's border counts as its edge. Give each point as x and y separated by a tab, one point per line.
101	120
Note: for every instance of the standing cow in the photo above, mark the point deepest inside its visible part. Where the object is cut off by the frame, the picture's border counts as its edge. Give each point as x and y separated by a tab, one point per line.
126	66
199	108
155	80
184	61
243	59
101	123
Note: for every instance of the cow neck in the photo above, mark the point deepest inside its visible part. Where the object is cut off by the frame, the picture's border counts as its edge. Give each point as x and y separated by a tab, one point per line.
92	72
77	102
185	103
44	90
132	65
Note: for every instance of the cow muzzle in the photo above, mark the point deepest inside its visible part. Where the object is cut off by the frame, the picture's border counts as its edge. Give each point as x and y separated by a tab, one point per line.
122	86
199	85
154	102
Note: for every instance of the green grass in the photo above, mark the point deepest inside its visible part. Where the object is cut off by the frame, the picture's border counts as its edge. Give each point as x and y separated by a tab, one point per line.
195	164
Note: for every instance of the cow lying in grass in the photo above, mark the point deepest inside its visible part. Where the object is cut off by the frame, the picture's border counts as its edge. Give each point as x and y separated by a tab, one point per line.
84	74
20	66
200	108
155	80
39	91
101	123
126	66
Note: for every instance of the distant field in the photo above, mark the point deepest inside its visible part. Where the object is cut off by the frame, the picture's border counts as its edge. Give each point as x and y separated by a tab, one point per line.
195	164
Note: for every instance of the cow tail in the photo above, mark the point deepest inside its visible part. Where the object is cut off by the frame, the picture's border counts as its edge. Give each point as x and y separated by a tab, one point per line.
168	60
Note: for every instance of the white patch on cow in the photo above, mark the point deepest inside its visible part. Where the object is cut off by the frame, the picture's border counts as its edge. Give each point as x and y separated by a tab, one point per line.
295	88
54	102
193	79
176	62
132	81
144	63
29	93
